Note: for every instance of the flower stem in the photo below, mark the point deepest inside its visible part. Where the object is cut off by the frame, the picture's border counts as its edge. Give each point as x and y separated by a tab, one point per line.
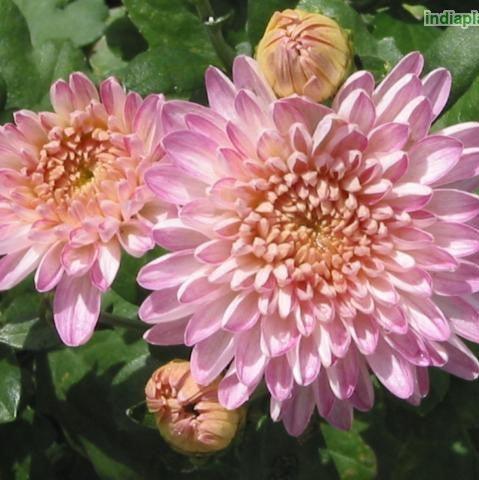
225	52
117	321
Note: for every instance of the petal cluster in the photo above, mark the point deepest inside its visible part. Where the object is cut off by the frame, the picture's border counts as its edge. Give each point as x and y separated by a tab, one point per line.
188	415
316	245
72	195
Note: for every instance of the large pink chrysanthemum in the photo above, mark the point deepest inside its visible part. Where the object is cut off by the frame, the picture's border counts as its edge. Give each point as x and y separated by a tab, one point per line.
315	245
72	195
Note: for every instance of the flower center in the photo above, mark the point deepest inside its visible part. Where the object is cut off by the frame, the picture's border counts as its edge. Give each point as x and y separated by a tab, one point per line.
310	229
71	161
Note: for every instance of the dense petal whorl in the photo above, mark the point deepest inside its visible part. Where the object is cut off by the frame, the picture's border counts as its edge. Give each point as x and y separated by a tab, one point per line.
73	195
315	245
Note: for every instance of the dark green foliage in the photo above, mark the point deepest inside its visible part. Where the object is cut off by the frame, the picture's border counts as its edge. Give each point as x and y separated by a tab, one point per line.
76	414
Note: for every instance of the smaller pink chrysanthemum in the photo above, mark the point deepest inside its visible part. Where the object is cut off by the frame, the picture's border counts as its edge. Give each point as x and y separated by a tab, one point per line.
72	195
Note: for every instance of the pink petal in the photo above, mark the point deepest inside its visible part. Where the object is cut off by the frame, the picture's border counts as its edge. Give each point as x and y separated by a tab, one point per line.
62	98
135	237
106	267
246	74
221	92
395	373
17	266
76	307
242	313
113	96
206	321
467	133
304	361
298	410
436	86
249	359
167	333
278	335
214	251
359	80
463	281
358	108
432	158
210	356
163	306
408	197
173	234
193	153
365	333
50	270
343	376
170	184
462	315
465	169
409	64
231	392
83	90
461	362
388	138
415	281
453	205
457	239
168	271
426	318
279	378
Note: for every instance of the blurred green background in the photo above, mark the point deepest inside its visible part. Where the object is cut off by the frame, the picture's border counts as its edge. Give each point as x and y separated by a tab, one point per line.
77	413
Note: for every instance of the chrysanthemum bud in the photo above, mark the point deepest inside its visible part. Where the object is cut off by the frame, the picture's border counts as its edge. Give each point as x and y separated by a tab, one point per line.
188	415
304	53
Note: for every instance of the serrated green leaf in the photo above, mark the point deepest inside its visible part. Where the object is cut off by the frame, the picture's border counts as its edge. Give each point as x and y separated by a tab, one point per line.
104	61
28	71
179	49
80	21
10	385
354	459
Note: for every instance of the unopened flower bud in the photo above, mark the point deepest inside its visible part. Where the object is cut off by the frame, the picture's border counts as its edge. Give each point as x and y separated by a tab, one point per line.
304	53
189	416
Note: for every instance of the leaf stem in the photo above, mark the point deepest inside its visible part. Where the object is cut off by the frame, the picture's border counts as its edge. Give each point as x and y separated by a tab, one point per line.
225	52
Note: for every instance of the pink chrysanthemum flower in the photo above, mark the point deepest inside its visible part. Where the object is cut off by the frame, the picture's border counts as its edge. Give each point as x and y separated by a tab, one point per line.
316	245
72	195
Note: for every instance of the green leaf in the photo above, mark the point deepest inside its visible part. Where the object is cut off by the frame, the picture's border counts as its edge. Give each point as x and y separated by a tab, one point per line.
464	110
408	33
353	458
179	49
455	49
104	61
10	385
25	326
259	14
76	389
81	21
28	71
